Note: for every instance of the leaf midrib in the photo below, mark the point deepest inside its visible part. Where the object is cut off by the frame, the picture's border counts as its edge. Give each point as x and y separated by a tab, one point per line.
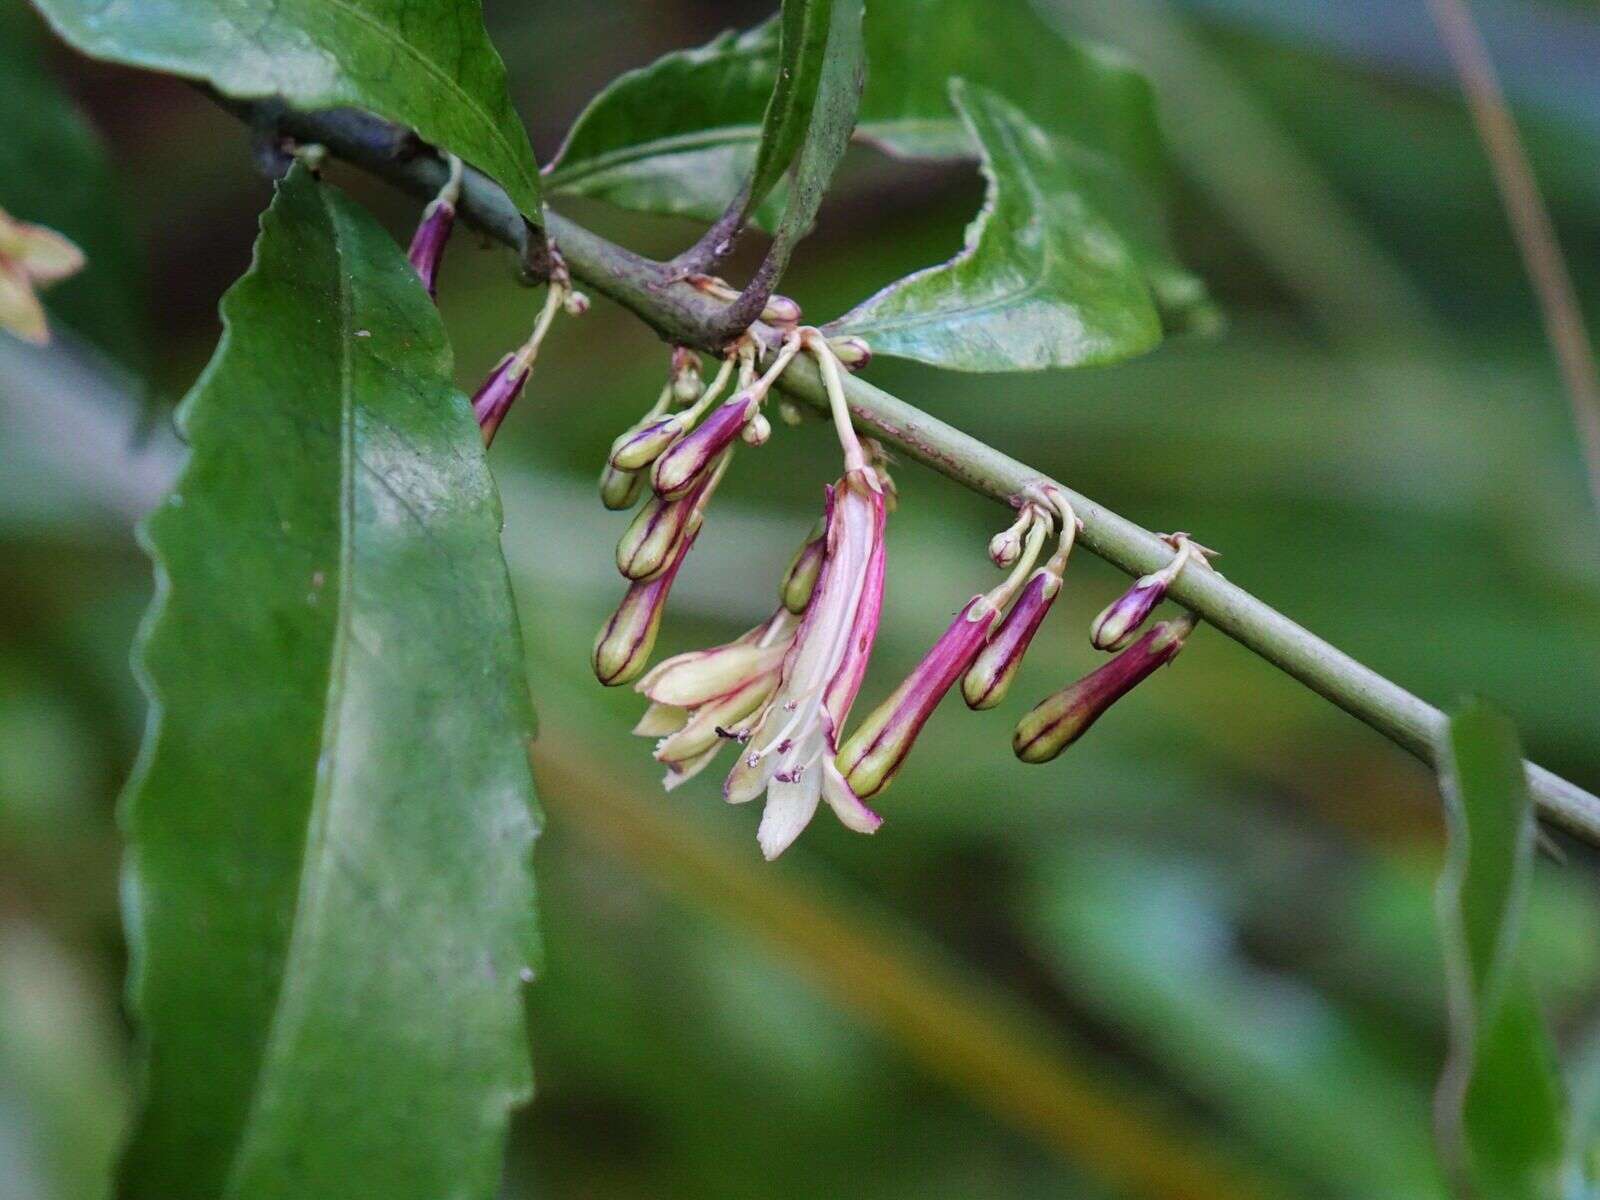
313	856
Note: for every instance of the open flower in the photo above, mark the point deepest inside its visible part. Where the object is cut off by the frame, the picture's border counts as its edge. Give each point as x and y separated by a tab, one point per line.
705	698
789	755
31	257
793	739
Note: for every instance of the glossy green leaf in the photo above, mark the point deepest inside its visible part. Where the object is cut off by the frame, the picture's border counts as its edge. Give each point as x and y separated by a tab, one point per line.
328	895
828	125
54	171
806	28
427	64
1500	1104
678	136
1044	279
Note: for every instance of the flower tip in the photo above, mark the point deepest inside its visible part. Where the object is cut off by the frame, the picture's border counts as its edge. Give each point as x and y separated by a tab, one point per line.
1118	624
428	243
497	393
683	464
619	490
643	444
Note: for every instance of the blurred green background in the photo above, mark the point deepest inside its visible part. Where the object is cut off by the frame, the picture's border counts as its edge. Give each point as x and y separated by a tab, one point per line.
1195	956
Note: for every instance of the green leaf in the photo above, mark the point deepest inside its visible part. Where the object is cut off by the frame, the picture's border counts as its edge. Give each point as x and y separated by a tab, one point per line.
328	893
1500	1104
1044	279
679	136
806	33
54	172
428	65
826	136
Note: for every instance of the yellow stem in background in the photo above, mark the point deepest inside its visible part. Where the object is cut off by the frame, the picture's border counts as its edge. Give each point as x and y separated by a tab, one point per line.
973	1037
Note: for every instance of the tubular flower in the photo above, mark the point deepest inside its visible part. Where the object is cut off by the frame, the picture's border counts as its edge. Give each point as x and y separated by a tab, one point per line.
874	753
989	678
800	580
789	755
1063	718
433	231
793	739
1116	626
31	257
649	541
705	698
625	641
497	393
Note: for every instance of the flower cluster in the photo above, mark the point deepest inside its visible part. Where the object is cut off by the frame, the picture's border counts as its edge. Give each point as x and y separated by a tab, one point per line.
783	692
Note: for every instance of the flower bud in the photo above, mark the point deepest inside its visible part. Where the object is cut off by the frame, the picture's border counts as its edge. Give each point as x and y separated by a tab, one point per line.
1005	547
619	490
677	469
990	676
1117	625
497	393
643	444
790	413
685	375
757	430
873	754
1061	719
575	304
780	310
624	644
655	531
800	580
852	352
427	244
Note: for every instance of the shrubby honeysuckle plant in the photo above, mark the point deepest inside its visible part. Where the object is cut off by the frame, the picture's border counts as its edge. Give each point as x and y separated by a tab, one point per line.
336	774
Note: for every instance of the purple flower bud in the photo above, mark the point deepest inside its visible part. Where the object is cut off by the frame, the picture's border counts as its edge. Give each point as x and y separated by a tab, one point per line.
648	542
495	395
1063	718
873	754
852	352
575	304
643	444
986	684
623	647
800	580
677	469
619	490
1005	548
1116	627
427	244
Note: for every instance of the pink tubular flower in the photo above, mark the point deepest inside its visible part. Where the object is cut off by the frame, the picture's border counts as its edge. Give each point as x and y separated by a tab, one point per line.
427	244
676	470
1059	720
873	754
433	231
792	743
990	675
623	647
498	392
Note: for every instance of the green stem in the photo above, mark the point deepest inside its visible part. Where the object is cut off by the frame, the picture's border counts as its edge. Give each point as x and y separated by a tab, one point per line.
681	314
